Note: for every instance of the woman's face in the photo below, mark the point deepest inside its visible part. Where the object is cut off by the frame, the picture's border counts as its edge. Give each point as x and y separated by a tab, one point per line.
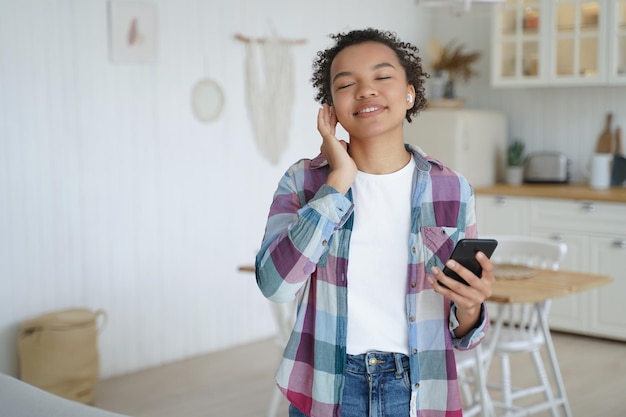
369	89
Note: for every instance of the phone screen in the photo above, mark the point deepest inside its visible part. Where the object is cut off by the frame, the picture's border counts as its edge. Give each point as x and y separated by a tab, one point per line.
465	253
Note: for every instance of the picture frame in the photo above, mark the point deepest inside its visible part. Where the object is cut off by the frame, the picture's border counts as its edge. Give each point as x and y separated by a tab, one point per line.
132	31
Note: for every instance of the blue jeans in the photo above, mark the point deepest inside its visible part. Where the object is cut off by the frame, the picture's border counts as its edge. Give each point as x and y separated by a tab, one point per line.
376	385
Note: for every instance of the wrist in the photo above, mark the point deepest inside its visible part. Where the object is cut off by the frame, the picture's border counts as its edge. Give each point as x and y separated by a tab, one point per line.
340	182
468	315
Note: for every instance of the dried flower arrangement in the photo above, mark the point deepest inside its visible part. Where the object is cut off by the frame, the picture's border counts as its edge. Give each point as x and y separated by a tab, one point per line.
453	59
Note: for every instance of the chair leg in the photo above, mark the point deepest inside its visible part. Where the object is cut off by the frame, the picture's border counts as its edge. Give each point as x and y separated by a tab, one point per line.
507	389
543	378
274	403
465	383
486	405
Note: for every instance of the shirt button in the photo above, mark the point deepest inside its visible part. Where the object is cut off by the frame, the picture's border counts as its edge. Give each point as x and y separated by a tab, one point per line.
412	319
413	249
324	242
414	351
417	385
413	284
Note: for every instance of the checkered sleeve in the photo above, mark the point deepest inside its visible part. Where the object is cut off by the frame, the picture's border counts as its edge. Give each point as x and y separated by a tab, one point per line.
297	233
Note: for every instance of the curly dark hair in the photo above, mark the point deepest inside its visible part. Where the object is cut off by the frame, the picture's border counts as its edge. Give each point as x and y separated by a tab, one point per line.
406	52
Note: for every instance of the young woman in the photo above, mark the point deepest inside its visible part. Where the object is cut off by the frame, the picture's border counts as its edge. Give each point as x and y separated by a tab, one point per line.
359	234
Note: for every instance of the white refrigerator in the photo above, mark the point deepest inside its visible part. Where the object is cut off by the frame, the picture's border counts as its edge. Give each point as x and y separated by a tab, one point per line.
470	141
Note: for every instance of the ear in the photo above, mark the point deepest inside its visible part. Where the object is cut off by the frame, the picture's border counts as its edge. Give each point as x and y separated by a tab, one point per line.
410	91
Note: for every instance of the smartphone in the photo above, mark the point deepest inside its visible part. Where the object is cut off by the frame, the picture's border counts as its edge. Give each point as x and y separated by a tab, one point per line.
465	253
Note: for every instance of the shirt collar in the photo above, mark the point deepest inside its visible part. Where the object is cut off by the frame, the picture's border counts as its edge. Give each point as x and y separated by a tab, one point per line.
422	161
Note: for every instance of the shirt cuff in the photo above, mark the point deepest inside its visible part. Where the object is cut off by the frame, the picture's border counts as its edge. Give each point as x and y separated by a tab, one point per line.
331	204
474	336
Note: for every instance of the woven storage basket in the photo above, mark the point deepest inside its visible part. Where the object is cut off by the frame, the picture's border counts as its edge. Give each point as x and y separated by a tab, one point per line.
58	352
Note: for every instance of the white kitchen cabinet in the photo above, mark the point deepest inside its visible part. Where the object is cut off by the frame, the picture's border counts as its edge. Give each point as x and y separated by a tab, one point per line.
578	41
617	43
559	42
501	215
519	43
607	309
595	233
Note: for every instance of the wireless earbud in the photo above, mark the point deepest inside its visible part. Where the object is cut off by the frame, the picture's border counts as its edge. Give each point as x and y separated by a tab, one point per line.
409	98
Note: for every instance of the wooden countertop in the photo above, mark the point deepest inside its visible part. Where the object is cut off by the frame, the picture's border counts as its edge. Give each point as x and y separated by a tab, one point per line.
562	191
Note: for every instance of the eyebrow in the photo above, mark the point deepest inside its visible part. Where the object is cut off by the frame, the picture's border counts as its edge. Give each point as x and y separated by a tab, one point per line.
373	68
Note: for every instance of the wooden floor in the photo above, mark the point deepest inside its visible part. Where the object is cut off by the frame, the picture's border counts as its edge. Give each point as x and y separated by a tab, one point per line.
239	382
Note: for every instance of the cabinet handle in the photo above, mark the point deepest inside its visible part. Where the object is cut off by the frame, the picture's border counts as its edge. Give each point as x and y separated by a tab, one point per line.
620	244
557	237
500	201
589	207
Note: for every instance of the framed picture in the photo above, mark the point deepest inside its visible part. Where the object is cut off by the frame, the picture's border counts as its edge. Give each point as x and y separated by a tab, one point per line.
132	31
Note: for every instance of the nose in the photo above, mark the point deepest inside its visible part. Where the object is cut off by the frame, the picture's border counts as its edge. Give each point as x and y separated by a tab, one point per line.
366	90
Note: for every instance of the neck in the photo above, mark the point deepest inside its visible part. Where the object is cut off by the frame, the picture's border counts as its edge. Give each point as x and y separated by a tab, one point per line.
381	155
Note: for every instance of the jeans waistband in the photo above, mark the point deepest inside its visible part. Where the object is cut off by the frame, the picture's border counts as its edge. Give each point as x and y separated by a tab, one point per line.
375	361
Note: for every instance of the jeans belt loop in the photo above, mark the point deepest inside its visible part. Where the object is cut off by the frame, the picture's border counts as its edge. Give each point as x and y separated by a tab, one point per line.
399	366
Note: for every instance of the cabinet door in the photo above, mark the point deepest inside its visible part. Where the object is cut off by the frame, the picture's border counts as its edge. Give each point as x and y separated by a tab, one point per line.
579	41
518	43
608	308
617	42
558	42
497	215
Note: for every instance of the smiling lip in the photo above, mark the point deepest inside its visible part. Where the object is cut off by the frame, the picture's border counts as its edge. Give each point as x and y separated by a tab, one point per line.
369	110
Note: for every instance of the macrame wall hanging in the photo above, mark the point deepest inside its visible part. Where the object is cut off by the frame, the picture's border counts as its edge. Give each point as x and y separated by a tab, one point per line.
270	91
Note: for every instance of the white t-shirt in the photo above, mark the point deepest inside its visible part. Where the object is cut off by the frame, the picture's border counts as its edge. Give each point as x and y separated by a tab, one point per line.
377	267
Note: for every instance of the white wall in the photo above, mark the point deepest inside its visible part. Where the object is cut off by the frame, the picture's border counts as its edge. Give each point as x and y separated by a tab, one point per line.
113	196
564	119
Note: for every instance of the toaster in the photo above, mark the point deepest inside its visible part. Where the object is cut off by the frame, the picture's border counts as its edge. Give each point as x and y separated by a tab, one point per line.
546	167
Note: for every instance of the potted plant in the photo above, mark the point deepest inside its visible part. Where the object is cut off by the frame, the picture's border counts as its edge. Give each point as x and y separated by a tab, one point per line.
516	157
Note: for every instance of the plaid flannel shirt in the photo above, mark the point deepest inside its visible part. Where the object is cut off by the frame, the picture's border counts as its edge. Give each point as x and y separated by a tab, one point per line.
305	253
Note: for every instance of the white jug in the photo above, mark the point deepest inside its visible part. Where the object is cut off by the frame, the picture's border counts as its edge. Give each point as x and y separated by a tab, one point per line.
600	171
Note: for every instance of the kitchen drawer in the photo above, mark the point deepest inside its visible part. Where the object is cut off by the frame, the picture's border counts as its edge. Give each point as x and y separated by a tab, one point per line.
502	215
579	216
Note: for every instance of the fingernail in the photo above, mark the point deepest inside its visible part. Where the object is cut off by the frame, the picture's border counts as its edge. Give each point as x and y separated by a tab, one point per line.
451	263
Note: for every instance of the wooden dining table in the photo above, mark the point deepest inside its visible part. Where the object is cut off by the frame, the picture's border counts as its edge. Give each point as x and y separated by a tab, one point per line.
540	287
545	284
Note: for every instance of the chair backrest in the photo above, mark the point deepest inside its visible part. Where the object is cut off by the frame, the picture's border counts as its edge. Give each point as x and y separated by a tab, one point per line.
532	251
538	252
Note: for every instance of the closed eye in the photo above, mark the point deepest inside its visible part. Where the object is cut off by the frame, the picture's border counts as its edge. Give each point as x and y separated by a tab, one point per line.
341	87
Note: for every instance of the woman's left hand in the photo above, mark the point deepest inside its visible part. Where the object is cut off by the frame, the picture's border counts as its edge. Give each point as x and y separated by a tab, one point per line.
468	298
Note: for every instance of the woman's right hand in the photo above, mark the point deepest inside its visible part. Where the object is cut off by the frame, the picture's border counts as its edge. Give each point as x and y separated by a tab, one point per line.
342	167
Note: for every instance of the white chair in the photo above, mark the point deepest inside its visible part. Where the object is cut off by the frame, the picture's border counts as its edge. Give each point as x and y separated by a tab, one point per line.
520	334
470	365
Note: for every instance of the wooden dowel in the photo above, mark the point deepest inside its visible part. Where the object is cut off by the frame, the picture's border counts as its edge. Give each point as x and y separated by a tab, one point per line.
246	39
